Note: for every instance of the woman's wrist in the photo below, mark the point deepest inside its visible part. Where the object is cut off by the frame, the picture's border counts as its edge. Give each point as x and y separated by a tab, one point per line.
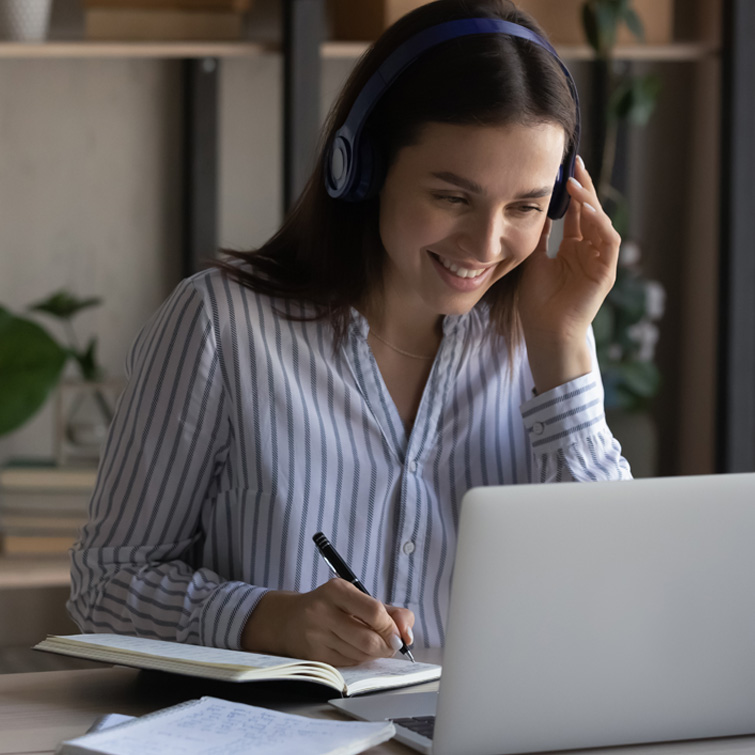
264	631
555	362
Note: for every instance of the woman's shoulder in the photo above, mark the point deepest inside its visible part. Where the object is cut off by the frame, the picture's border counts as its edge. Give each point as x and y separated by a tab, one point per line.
223	293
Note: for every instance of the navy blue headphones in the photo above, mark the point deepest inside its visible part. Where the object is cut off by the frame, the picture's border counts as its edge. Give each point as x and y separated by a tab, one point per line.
352	166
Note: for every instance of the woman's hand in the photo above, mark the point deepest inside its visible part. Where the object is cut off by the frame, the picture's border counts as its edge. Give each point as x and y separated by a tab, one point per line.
336	623
559	297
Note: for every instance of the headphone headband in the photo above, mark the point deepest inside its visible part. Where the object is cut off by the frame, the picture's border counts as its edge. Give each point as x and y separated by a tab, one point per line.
350	162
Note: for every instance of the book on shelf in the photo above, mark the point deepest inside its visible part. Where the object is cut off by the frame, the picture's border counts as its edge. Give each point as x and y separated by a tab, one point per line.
239	666
42	507
42	476
35	545
210	724
29	525
163	24
44	499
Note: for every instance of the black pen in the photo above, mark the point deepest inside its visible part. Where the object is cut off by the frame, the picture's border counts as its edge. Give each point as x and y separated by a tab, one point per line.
341	569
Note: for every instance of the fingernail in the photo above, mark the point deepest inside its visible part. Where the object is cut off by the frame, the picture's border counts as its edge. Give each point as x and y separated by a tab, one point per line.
575	182
589	207
580	161
411	635
396	642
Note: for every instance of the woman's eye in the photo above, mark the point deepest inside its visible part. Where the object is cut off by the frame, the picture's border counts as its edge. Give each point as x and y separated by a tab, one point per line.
450	199
528	208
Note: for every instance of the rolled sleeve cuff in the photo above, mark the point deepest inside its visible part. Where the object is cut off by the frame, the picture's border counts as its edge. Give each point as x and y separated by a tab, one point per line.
226	613
564	415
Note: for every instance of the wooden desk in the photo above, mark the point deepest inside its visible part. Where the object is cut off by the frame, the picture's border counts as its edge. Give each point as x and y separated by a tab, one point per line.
39	710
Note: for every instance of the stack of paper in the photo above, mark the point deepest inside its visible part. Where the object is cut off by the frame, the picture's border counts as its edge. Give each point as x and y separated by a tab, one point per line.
210	725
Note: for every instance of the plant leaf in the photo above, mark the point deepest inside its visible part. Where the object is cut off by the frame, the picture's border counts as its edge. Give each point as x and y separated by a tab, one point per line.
590	26
634	24
30	366
607	14
64	305
641	378
645	91
87	361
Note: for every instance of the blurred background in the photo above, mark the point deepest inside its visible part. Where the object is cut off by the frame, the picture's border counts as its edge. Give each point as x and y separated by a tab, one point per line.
138	136
94	169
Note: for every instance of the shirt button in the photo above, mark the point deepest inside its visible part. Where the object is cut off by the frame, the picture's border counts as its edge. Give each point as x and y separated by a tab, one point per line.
413	467
538	428
408	547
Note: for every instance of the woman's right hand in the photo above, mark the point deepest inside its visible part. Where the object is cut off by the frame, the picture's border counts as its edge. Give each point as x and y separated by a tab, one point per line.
335	623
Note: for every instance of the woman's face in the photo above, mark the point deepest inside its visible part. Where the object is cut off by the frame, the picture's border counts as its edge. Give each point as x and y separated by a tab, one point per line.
462	207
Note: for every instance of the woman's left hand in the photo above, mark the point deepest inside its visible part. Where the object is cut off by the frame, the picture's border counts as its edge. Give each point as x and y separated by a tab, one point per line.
560	296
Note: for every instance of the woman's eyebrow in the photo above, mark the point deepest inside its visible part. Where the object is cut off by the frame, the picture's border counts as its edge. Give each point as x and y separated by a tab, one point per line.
475	188
460	181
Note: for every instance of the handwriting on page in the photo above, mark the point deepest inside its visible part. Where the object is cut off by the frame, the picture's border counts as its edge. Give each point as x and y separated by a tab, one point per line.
382	668
218	727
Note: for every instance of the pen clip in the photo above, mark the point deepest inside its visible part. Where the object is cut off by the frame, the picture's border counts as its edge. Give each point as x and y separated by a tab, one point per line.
330	566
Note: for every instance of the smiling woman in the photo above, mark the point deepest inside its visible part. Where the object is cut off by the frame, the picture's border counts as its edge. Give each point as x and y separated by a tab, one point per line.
368	365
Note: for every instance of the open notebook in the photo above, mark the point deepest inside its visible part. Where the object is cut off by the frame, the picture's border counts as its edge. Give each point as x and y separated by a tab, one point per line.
238	665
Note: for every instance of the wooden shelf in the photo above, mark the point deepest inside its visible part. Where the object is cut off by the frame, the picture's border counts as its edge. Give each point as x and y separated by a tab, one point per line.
678	51
34	571
86	49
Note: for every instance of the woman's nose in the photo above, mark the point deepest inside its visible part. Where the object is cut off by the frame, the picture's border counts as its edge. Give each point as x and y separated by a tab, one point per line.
482	236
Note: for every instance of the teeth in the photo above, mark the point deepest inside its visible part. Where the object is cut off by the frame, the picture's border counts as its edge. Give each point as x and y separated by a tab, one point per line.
461	272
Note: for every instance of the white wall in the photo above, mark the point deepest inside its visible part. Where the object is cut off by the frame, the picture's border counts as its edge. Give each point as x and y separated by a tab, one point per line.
90	178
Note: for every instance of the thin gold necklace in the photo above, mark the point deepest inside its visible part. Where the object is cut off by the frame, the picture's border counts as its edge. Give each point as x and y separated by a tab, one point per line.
401	351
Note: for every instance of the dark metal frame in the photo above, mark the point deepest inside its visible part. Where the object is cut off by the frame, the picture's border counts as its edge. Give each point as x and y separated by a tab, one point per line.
200	164
303	33
736	364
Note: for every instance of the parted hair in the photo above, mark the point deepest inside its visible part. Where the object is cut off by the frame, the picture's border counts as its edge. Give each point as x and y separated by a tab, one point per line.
328	252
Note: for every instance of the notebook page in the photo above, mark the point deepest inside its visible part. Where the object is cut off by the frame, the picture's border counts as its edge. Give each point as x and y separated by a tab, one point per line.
386	673
179	651
211	726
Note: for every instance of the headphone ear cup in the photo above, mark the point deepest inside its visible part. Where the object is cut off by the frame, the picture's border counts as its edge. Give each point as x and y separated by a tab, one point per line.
338	166
350	169
560	197
368	171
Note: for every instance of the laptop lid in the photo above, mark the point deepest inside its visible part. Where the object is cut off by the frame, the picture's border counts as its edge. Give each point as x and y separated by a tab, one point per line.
596	614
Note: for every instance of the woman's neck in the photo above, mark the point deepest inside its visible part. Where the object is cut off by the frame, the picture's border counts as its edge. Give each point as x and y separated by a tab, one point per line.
404	328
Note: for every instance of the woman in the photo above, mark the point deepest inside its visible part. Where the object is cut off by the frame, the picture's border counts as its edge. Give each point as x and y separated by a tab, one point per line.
403	338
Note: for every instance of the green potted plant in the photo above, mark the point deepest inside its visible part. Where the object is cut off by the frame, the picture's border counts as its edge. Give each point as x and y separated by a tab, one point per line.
626	326
32	362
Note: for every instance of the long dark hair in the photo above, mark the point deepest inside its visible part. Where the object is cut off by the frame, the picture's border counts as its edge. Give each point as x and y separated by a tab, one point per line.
328	252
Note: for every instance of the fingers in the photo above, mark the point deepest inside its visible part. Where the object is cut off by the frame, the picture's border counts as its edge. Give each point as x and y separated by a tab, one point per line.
342	625
542	244
586	219
403	618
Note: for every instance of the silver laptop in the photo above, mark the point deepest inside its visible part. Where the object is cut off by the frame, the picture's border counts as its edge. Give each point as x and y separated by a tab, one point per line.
596	614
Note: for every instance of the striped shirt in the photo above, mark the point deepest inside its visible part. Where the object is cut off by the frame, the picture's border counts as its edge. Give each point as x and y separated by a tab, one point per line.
242	432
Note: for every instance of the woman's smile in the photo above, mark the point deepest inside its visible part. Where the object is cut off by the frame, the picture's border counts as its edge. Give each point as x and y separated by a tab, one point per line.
461	207
459	277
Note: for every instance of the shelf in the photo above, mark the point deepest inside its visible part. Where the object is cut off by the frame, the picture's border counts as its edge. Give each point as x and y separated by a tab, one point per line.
678	51
86	49
34	571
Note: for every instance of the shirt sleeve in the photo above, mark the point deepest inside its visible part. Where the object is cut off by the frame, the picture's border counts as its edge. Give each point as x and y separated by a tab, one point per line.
131	569
568	433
